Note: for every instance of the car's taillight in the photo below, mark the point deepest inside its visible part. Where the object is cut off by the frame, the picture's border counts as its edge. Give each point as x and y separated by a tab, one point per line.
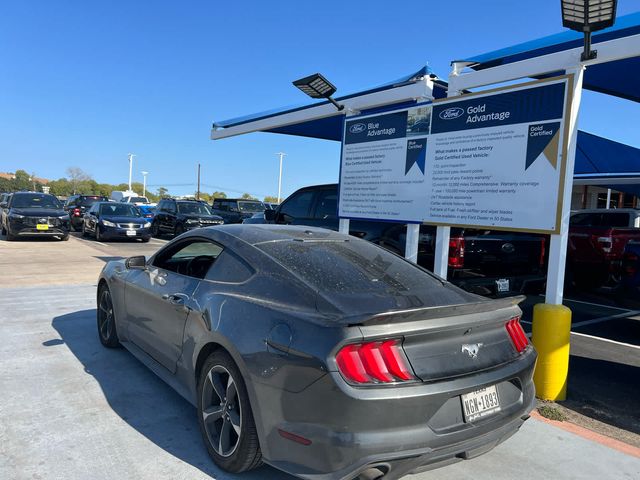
76	212
374	363
543	250
518	337
456	252
629	264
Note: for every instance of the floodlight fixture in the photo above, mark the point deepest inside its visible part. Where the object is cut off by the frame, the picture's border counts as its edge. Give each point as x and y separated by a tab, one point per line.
316	86
588	16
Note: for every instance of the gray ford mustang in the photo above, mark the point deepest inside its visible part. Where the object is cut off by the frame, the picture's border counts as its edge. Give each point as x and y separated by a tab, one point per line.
319	353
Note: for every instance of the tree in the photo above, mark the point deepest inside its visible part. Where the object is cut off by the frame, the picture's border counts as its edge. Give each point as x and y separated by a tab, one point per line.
76	176
218	195
21	181
162	192
270	199
203	196
248	196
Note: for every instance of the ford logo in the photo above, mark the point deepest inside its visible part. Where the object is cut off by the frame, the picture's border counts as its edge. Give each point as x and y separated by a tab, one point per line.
451	113
508	248
357	128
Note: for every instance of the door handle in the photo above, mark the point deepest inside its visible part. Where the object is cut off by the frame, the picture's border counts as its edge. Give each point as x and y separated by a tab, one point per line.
175	299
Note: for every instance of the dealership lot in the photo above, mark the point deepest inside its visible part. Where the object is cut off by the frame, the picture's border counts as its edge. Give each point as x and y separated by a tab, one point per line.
77	410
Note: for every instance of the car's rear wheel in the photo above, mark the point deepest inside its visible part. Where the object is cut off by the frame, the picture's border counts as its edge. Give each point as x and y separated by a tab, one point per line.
106	319
64	238
225	417
179	230
84	230
155	231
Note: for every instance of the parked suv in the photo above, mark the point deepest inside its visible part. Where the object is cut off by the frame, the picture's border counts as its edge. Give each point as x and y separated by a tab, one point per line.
35	214
597	240
235	210
481	261
178	216
77	205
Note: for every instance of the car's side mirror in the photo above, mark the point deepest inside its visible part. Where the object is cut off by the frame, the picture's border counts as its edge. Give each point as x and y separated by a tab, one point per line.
270	215
139	262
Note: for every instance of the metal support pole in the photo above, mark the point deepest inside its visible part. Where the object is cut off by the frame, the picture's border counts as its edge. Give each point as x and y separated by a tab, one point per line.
198	191
130	169
558	247
144	183
343	226
608	198
280	176
411	246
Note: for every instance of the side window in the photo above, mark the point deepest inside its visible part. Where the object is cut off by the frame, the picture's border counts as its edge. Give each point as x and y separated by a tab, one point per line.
298	206
230	269
171	207
620	220
192	258
216	204
585	219
327	205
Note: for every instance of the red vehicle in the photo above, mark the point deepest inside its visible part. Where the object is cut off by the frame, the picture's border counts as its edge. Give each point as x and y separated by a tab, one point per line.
597	239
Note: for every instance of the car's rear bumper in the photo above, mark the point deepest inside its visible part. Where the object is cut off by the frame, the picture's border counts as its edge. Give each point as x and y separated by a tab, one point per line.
402	428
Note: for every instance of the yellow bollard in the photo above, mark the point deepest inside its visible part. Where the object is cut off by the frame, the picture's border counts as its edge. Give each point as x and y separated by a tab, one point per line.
551	333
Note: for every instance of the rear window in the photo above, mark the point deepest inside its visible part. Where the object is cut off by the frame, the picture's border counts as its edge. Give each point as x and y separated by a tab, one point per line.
615	219
353	266
88	201
119	210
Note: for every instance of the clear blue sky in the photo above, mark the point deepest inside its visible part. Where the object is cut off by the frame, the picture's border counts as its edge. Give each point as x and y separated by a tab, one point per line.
84	83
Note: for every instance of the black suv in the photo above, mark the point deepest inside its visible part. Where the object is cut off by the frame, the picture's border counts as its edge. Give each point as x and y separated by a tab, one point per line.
235	210
178	216
481	261
77	205
35	214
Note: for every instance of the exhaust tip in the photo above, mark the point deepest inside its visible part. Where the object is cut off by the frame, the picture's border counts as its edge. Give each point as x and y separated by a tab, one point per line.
374	473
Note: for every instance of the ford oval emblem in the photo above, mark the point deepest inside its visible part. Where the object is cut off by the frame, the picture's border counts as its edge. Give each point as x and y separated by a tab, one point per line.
451	113
508	247
357	128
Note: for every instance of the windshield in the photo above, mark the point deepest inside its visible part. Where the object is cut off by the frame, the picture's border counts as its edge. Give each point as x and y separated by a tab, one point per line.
88	201
194	208
138	200
34	200
119	210
252	207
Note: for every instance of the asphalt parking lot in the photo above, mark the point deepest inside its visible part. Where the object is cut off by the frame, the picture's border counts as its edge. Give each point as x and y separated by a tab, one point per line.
73	410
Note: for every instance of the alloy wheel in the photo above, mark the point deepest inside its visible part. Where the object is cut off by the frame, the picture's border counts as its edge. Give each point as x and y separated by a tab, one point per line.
105	315
221	411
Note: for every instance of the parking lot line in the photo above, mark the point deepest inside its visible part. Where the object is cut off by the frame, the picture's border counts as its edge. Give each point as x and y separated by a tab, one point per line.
593	304
602	339
625	314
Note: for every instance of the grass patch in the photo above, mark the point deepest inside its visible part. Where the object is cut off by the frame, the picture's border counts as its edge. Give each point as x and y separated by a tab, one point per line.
552	413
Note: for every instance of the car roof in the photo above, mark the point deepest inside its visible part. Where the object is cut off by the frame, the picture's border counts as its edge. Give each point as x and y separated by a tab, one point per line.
239	200
254	234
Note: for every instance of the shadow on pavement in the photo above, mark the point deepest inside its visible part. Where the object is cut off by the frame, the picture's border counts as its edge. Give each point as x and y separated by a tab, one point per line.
142	400
605	391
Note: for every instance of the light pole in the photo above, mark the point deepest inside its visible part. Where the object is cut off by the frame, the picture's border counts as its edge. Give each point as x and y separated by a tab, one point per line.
131	155
144	183
282	155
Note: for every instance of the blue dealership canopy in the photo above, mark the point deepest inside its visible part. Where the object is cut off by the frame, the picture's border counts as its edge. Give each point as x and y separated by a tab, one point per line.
618	78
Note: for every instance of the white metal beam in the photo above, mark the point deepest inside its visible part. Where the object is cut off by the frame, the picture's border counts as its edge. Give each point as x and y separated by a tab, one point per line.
609	51
420	90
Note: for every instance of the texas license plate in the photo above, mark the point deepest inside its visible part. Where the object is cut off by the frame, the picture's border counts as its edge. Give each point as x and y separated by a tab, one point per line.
480	403
503	284
42	227
131	233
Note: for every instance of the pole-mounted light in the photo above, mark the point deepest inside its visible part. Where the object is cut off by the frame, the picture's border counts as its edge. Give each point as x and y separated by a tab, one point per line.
316	86
588	16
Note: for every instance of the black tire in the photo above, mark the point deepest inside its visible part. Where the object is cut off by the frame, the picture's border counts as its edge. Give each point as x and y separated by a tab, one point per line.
106	319
178	230
73	227
146	239
242	452
4	231
155	231
10	236
65	238
96	233
84	230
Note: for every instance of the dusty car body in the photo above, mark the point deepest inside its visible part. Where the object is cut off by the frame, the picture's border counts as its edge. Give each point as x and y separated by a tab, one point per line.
328	356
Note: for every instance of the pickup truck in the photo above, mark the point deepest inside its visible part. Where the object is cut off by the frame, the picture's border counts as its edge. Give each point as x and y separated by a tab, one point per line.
597	240
486	262
235	210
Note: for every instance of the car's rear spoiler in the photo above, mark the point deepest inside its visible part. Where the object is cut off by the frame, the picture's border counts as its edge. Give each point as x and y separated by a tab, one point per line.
421	314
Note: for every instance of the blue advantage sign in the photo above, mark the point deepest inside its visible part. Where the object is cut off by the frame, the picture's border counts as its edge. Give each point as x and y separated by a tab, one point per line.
495	159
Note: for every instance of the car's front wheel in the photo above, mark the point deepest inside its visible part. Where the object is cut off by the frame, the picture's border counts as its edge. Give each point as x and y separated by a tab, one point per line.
106	319
155	231
225	417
